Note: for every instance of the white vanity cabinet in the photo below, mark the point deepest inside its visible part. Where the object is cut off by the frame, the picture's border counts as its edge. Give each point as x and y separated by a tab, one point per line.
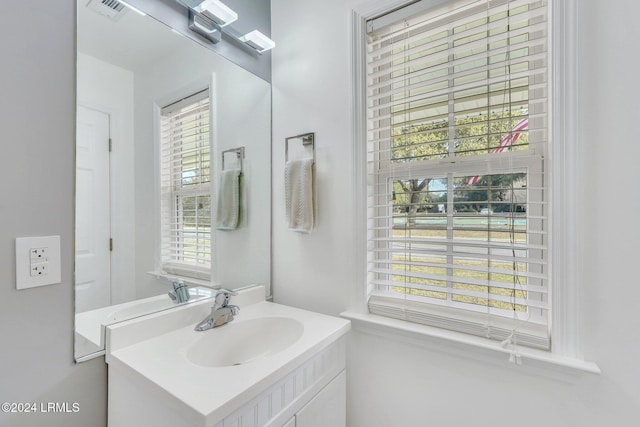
313	395
327	408
156	379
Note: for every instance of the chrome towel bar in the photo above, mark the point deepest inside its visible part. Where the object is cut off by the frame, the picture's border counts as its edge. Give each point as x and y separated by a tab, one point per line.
307	139
239	154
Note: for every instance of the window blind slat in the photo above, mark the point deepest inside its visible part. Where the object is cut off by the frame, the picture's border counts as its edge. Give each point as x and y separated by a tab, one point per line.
478	283
461	16
464	52
183	130
533	74
441	265
437	87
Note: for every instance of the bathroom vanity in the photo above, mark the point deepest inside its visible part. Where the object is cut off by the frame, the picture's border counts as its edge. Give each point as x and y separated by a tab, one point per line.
272	365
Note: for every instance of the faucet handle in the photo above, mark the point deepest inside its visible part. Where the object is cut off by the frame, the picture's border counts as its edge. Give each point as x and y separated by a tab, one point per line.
222	297
226	291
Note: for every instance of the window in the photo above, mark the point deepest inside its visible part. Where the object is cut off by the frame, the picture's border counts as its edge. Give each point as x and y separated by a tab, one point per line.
186	187
458	146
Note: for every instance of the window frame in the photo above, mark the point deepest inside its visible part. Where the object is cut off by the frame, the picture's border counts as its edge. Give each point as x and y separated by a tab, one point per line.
387	240
566	250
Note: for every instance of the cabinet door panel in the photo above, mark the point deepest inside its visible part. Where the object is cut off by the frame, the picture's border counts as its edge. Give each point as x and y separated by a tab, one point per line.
327	408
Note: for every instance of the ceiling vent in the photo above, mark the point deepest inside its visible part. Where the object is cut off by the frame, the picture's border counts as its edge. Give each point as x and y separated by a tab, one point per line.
112	9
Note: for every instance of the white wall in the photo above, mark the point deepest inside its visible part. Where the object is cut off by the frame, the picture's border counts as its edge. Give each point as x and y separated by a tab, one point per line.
392	383
105	87
311	93
37	118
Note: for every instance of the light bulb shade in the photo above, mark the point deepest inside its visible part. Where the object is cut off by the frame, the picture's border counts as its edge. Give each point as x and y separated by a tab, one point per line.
217	11
258	41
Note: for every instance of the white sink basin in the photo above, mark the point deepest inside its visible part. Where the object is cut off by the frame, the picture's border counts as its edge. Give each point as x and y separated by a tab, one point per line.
204	377
240	342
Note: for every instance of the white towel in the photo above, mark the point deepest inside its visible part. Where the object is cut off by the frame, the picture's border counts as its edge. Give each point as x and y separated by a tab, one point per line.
229	200
298	181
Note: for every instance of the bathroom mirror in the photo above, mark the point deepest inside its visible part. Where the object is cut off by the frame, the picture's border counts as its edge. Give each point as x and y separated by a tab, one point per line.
130	70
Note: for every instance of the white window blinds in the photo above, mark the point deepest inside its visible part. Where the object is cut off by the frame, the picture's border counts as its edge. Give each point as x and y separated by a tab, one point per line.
458	227
186	187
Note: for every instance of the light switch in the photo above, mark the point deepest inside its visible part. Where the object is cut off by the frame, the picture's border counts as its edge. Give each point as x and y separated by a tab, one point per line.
37	261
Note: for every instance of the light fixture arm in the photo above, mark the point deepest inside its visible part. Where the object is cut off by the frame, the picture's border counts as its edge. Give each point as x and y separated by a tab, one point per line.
205	27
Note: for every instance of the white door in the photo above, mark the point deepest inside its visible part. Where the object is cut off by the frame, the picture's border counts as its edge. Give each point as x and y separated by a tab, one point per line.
93	263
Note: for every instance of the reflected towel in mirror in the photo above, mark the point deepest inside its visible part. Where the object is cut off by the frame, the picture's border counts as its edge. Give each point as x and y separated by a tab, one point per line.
229	200
299	195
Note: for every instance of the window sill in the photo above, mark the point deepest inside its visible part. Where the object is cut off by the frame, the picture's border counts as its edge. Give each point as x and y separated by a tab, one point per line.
190	281
436	339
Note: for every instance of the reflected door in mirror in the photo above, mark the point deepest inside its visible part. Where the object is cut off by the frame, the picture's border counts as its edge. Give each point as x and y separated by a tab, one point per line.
92	210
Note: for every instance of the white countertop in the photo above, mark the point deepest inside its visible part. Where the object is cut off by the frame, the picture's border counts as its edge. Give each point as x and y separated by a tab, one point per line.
205	395
90	324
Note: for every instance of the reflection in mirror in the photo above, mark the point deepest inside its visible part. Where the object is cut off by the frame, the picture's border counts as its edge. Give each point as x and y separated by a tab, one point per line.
155	111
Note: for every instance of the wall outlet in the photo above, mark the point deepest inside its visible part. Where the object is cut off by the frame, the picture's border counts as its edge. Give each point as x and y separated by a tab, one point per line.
40	269
39	254
37	261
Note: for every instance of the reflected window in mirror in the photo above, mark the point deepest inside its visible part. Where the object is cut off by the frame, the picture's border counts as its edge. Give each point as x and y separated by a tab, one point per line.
185	187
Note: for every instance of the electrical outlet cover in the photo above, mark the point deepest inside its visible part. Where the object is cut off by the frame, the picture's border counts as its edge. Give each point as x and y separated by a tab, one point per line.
24	261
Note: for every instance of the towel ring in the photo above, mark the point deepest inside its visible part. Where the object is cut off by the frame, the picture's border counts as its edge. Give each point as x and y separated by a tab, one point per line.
239	154
307	139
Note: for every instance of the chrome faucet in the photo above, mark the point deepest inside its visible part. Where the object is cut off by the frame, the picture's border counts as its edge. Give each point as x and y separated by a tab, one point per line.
221	312
180	291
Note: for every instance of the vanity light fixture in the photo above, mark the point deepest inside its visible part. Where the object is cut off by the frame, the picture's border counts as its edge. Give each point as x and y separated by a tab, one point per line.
208	17
135	9
217	11
258	41
214	10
